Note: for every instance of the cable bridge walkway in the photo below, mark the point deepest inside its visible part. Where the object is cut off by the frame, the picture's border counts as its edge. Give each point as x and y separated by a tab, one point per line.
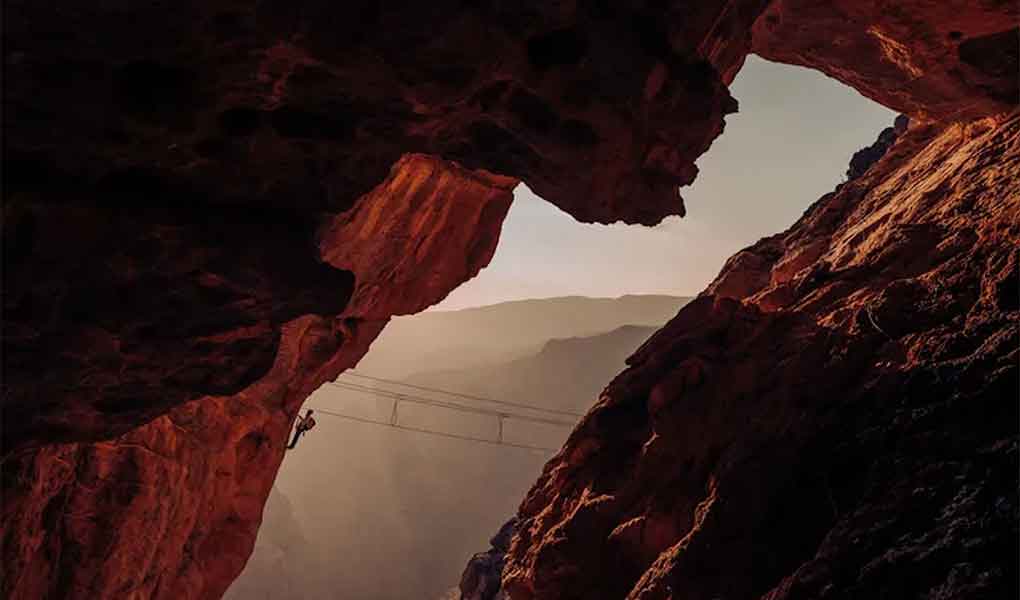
500	410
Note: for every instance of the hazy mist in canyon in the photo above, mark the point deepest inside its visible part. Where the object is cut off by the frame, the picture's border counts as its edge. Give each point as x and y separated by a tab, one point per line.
369	512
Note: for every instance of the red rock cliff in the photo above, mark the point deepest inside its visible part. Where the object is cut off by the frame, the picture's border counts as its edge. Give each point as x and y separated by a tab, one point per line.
835	416
170	509
207	207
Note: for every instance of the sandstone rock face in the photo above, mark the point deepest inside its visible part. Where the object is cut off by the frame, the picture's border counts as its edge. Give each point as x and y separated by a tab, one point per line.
171	509
426	213
834	417
944	60
211	208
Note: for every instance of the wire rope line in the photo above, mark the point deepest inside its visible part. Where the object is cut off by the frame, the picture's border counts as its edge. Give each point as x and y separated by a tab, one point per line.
444	434
500	414
400	397
423	388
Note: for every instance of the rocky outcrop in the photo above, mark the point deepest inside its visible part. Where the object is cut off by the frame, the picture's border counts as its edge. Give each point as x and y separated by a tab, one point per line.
171	509
943	60
834	417
203	202
481	578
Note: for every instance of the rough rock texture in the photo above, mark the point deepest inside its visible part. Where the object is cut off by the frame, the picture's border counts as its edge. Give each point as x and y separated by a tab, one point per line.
178	197
945	60
481	578
171	509
835	417
189	187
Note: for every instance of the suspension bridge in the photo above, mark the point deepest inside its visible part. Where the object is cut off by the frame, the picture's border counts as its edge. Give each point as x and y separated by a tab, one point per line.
400	393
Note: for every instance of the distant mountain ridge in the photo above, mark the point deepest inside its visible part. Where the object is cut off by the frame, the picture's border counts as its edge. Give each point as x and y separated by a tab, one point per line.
420	493
440	340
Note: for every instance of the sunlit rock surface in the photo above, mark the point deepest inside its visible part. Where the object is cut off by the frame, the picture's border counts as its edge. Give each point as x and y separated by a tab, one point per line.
187	185
836	416
171	509
944	60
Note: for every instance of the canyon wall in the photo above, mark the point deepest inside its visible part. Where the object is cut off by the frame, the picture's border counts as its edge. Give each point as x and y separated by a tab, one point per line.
835	416
168	169
171	508
213	207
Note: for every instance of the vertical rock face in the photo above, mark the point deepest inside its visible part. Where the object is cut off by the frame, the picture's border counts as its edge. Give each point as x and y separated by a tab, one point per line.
211	208
834	417
171	508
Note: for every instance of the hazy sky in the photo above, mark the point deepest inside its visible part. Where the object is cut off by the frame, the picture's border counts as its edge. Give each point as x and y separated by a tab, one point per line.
789	144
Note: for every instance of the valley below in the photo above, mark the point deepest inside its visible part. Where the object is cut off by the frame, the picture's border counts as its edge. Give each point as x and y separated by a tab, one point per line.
369	512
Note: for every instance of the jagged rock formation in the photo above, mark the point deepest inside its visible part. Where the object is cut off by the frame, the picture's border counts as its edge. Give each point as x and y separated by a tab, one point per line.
203	202
862	160
834	417
944	60
482	576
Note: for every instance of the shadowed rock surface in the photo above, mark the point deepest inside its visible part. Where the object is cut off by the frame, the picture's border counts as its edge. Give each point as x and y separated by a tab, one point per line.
171	508
212	208
462	339
834	417
481	579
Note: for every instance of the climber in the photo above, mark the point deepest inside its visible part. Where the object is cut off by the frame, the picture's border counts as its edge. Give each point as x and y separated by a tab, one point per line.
304	424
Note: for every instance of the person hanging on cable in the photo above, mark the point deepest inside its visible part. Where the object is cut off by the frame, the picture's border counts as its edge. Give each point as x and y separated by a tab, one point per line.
304	424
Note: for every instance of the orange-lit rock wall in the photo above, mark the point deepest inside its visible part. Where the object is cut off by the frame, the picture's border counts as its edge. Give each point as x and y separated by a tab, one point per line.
171	509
